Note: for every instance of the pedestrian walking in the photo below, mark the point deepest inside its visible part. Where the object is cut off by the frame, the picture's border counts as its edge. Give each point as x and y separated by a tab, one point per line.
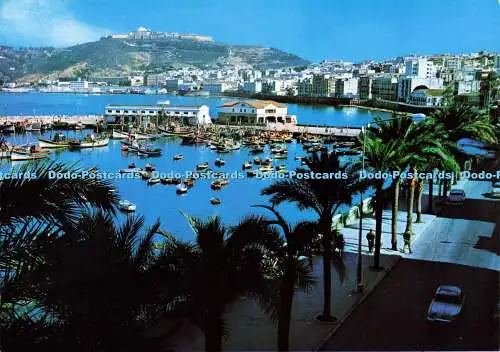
340	243
370	237
407	242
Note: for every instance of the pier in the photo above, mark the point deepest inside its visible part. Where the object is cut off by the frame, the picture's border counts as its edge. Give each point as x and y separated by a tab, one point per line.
70	119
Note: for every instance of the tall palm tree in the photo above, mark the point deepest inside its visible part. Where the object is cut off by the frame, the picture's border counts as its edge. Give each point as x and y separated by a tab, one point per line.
287	267
216	270
379	156
324	196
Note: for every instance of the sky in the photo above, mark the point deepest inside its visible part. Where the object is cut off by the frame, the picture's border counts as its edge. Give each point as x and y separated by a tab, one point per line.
351	30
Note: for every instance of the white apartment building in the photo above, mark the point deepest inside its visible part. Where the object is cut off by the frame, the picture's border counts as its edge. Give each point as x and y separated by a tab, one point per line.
215	88
136	81
126	114
347	87
252	87
255	112
420	68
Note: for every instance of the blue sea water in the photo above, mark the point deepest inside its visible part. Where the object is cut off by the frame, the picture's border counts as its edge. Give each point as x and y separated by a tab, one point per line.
161	201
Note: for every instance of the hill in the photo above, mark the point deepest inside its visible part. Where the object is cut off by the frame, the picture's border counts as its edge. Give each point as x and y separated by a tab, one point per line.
116	57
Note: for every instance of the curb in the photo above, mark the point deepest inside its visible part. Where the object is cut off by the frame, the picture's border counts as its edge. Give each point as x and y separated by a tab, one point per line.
365	295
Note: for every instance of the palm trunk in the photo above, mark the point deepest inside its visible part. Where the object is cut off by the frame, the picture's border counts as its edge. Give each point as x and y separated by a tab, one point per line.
213	332
285	309
431	190
394	219
420	191
378	225
445	188
327	269
409	208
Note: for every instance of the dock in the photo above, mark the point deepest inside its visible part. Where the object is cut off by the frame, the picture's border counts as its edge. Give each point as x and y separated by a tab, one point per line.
89	120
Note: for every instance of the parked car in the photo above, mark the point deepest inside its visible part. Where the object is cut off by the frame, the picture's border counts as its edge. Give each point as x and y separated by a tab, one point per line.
495	192
456	196
447	304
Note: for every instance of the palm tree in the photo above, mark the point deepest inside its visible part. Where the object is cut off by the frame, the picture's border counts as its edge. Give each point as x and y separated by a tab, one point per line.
92	284
379	156
222	265
324	196
287	265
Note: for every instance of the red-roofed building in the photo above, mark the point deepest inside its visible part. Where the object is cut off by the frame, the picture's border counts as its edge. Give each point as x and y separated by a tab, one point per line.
255	112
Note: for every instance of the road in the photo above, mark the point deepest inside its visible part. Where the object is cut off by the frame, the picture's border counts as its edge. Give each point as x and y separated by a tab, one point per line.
457	249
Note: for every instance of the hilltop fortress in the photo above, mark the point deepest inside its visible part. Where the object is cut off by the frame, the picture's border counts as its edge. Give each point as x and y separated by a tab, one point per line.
143	33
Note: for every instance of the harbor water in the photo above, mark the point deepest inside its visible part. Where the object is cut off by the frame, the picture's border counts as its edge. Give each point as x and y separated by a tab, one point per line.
162	201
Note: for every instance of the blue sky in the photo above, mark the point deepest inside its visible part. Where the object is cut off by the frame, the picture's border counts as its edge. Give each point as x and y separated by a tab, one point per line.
314	29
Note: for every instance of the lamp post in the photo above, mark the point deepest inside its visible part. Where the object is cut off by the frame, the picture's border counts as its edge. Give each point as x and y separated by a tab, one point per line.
359	276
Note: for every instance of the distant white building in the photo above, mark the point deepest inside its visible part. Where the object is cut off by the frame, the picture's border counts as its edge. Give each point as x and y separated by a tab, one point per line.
136	81
255	112
118	113
215	88
252	87
407	85
420	68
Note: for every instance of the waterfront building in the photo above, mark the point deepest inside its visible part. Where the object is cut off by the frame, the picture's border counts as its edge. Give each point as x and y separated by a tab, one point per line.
365	87
215	88
407	85
130	114
427	97
252	87
304	87
323	86
384	88
156	80
255	112
346	87
136	81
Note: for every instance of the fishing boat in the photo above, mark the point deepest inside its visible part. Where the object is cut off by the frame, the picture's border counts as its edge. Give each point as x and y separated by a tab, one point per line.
176	181
257	161
215	201
189	182
247	165
224	181
266	168
120	135
257	149
8	128
59	140
145	175
146	151
154	180
126	206
251	173
149	167
28	153
181	188
202	166
47	126
91	141
167	181
178	157
35	127
219	162
77	126
216	185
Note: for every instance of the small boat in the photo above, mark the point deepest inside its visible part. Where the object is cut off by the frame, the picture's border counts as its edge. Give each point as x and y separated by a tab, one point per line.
219	162
146	175
267	161
224	181
251	173
149	152
153	181
189	182
178	157
58	141
90	141
149	167
167	181
247	165
215	201
28	153
181	188
8	128
280	156
267	168
216	185
176	181
131	165
35	127
127	206
257	161
130	170
202	166
120	135
257	149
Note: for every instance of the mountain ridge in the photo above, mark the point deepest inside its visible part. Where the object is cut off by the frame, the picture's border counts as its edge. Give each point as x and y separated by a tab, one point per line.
119	57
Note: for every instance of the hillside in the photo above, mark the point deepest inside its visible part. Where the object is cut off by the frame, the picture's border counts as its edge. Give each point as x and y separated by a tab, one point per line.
121	57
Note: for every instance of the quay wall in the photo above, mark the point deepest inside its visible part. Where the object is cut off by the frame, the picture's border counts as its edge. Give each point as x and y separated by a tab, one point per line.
291	99
85	119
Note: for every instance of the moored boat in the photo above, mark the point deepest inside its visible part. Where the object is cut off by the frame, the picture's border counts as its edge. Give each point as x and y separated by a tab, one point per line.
216	185
90	141
215	201
202	166
126	206
247	165
181	188
59	140
28	153
154	180
178	157
219	162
